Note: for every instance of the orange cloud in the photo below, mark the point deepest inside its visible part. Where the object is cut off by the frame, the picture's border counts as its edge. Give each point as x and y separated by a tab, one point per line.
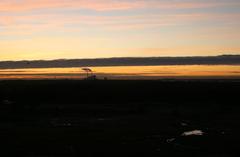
104	5
28	5
30	24
48	21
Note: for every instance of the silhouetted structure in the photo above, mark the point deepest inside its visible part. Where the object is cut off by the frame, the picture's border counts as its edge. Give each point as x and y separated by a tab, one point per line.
89	74
87	70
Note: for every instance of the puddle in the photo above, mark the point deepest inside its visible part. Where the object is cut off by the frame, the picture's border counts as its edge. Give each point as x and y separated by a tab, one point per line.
170	140
184	124
193	133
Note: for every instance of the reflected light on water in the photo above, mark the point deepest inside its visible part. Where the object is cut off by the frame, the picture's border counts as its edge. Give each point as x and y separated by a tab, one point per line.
124	72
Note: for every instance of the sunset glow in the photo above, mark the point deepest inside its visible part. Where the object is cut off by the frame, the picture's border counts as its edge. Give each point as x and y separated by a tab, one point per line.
53	29
126	72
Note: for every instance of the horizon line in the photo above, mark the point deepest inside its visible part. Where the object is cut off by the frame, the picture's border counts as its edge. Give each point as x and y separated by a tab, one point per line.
26	60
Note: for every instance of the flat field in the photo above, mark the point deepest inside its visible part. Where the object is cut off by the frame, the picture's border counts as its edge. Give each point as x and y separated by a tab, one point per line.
52	118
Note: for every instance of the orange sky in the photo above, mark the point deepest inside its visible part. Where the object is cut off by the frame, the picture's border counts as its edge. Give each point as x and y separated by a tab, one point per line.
52	29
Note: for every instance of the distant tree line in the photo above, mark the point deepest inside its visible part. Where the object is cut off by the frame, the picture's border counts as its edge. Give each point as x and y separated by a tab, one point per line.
131	61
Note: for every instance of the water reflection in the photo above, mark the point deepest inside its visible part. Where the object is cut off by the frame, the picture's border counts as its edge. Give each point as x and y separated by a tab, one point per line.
193	133
124	72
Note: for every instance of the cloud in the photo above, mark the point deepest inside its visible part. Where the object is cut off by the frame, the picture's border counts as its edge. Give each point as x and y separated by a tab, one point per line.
99	5
117	33
14	18
107	5
55	22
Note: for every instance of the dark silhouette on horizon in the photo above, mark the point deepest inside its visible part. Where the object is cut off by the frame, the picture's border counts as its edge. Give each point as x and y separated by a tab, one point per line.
130	61
89	74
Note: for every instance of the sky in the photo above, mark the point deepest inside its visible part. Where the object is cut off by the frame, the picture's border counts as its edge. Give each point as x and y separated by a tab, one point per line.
57	29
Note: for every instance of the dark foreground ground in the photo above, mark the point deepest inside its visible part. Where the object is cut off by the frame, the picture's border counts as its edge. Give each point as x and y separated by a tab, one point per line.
119	118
